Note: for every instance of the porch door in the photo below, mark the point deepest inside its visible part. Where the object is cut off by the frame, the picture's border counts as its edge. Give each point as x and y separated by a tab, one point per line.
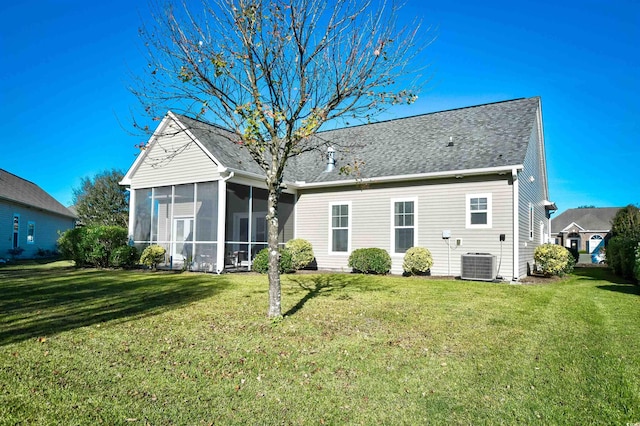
183	237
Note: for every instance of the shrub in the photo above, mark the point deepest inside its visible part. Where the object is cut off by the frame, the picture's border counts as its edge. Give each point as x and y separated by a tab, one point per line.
553	259
153	255
124	257
301	252
621	255
92	245
101	241
15	252
370	261
636	270
417	261
260	263
70	245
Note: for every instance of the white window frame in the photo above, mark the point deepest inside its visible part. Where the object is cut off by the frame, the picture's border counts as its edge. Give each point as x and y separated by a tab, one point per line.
33	237
531	221
331	228
489	211
414	200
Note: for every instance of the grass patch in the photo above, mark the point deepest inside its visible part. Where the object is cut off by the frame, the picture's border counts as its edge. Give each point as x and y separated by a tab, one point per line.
122	347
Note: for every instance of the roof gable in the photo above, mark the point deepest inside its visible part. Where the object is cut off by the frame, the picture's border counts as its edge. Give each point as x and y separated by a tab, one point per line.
589	219
18	190
485	137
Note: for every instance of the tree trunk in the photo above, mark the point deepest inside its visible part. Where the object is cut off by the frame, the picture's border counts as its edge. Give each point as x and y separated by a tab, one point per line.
275	310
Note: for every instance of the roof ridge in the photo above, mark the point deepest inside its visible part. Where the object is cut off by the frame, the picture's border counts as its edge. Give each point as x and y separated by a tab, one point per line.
424	114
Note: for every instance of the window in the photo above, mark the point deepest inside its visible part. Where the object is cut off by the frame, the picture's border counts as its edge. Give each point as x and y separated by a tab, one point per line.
340	228
478	210
531	216
403	225
16	230
31	232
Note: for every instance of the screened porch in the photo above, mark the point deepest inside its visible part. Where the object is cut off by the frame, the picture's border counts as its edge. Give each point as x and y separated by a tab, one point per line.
209	226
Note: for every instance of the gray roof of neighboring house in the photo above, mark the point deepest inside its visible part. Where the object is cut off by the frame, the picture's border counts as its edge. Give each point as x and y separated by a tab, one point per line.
590	219
18	190
484	136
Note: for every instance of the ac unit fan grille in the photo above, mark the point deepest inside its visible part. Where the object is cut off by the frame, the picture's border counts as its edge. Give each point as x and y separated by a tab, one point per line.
478	266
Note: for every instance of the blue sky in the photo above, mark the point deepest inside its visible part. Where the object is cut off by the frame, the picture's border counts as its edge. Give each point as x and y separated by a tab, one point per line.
65	66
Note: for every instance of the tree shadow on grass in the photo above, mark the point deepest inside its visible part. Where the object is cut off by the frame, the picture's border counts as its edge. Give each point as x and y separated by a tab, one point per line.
316	285
35	303
600	274
615	283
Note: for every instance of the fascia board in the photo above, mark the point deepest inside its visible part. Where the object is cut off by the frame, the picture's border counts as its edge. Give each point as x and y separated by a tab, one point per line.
410	177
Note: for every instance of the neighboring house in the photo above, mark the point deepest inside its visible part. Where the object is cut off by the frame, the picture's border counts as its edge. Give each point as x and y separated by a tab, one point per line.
477	174
584	229
29	217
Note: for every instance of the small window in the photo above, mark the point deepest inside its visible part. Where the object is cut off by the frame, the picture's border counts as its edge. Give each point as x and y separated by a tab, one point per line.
31	232
403	225
531	219
339	234
478	210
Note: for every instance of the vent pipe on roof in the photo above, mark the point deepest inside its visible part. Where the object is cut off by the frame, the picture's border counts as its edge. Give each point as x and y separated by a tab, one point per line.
331	159
450	141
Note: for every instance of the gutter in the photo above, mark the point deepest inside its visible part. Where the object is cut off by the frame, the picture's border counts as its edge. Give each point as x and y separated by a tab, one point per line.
416	176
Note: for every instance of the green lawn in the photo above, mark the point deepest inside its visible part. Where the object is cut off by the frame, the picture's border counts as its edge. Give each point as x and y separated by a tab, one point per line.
121	347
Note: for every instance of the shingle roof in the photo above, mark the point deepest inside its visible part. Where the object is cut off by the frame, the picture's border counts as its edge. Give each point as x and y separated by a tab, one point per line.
16	189
590	219
484	136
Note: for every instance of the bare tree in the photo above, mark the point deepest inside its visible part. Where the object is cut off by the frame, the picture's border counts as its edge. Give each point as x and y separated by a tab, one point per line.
274	72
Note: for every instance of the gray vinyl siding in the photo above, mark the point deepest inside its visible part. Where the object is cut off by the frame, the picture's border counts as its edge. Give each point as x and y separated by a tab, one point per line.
530	192
47	227
172	159
440	205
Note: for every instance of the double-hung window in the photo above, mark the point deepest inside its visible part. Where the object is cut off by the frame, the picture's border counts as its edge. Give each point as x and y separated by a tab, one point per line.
404	225
340	227
478	210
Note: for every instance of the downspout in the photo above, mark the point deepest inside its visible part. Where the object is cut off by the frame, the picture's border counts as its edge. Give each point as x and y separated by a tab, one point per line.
222	207
516	225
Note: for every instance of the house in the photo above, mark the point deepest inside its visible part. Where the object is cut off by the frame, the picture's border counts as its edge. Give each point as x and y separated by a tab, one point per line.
30	219
468	180
583	229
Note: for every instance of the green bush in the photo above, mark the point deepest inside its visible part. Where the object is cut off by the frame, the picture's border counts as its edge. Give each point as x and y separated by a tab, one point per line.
153	255
92	245
622	247
370	261
100	242
636	270
260	263
301	252
124	257
553	259
417	261
621	255
70	246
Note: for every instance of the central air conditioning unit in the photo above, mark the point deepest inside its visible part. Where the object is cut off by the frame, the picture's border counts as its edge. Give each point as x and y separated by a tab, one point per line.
478	267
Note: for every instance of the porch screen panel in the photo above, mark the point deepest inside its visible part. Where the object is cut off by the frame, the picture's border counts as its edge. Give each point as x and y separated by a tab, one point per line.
142	215
259	214
161	221
205	257
183	200
237	220
285	217
207	212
